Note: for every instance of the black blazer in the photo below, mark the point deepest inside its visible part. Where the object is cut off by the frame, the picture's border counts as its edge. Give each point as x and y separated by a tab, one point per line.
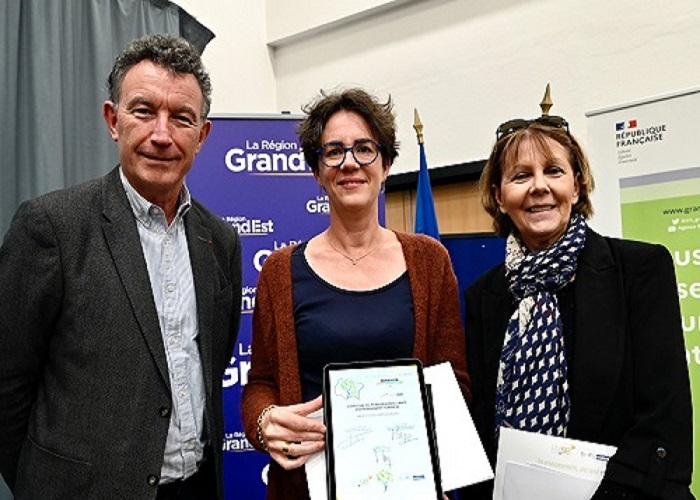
84	388
628	378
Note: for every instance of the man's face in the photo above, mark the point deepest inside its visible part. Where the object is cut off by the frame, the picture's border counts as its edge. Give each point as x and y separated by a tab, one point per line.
159	128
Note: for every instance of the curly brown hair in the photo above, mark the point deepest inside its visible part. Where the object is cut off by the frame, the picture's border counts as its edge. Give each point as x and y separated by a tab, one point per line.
508	145
379	118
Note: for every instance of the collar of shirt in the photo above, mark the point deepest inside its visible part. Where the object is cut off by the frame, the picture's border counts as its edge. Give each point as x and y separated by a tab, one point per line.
149	214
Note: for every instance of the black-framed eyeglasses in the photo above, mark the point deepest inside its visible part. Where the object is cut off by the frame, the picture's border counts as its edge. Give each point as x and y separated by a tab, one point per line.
512	126
364	151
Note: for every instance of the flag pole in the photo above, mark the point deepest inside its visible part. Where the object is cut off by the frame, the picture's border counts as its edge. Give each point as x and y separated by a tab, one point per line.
418	126
425	219
546	103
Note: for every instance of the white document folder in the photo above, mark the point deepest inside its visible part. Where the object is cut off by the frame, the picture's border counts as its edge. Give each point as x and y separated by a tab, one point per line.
462	457
533	466
528	482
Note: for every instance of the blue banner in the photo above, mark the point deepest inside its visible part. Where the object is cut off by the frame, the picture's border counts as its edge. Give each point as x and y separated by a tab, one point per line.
251	172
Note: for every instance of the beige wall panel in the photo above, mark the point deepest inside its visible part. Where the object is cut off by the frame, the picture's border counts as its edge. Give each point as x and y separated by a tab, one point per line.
458	209
398	211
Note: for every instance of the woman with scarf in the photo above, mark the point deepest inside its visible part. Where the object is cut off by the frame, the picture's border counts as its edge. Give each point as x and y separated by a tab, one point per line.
576	334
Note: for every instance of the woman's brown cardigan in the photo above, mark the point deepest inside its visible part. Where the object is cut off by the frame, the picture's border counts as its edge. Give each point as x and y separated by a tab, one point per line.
274	374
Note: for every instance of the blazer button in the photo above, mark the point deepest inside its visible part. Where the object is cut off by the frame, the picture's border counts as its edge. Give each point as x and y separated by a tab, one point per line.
661	452
164	411
152	480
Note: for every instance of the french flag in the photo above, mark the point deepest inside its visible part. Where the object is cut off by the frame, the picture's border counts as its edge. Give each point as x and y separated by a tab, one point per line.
625	125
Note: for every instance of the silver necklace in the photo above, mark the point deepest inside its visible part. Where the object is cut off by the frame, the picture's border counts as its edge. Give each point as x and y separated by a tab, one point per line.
351	259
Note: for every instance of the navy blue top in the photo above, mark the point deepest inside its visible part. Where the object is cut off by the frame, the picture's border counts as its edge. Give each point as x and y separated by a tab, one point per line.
335	325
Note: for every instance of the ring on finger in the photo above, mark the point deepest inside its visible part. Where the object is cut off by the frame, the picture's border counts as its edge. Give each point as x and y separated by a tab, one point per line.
287	453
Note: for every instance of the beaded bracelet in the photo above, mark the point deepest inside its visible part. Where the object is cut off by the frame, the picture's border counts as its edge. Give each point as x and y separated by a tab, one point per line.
260	419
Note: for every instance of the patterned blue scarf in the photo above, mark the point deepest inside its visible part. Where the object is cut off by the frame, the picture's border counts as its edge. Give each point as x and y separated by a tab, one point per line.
532	389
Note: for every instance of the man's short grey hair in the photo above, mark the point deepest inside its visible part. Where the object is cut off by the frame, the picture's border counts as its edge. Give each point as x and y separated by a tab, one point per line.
169	51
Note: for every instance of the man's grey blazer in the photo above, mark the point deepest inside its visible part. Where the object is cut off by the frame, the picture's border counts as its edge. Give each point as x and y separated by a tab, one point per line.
85	396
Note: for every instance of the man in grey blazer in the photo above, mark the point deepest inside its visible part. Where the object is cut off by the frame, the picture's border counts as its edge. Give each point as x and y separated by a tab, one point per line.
120	304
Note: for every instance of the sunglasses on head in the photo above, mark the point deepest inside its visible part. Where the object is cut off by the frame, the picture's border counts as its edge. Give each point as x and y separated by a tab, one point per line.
512	126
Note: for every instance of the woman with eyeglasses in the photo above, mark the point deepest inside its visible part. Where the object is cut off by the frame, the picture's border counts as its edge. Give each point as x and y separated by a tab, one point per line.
576	334
355	292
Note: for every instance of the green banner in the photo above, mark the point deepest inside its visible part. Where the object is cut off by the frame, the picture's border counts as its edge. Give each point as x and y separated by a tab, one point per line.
649	213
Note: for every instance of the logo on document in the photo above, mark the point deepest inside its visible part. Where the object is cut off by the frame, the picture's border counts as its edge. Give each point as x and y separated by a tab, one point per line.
630	133
561	449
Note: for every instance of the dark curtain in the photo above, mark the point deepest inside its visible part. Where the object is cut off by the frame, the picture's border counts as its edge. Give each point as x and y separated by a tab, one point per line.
54	60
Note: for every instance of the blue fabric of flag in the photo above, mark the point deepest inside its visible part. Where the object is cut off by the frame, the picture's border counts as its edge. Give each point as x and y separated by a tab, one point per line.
426	220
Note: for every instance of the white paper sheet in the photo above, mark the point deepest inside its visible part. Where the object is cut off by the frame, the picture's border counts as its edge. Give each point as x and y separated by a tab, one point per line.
528	482
462	457
316	469
528	461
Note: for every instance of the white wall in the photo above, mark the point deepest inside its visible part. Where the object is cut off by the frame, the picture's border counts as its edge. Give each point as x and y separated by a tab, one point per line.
466	65
288	20
238	58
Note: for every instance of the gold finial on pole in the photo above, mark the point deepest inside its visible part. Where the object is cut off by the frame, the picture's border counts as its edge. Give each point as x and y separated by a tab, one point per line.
418	126
546	103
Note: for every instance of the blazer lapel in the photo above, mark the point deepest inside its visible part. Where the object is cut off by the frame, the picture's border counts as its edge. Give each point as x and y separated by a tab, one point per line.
200	243
498	307
599	334
121	234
